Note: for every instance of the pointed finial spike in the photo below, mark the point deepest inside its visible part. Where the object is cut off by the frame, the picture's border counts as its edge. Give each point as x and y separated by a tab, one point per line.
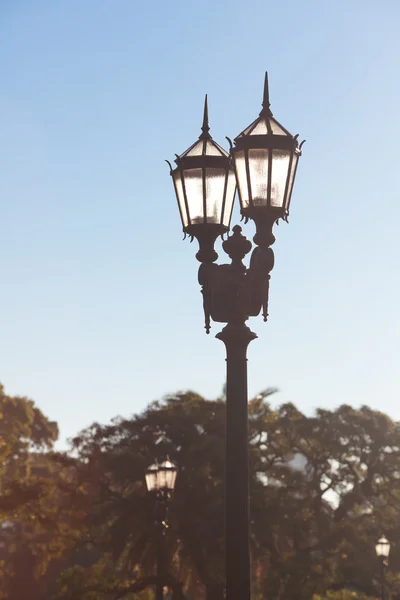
205	127
266	103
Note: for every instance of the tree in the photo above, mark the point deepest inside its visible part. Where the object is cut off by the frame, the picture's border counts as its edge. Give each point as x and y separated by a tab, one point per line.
322	489
114	460
23	429
33	530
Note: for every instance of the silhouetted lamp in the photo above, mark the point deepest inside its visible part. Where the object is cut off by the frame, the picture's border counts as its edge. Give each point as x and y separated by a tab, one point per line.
161	477
265	157
205	187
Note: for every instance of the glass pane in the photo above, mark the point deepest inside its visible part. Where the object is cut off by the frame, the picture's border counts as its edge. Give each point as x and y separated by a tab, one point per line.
260	129
151	479
173	479
197	149
180	196
215	182
161	483
213	149
240	168
258	164
170	478
276	129
280	167
230	196
291	180
247	130
194	193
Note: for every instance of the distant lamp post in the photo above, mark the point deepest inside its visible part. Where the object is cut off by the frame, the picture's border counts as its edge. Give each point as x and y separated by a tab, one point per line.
160	480
382	548
262	163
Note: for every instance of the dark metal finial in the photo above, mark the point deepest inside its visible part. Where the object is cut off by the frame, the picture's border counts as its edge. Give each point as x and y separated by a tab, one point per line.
266	103
236	247
205	128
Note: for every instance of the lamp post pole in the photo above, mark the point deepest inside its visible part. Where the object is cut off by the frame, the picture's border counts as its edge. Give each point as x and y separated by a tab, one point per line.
236	337
263	162
161	526
383	578
160	480
382	548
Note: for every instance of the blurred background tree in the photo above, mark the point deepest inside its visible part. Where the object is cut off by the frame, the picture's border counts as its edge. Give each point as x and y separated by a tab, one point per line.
81	524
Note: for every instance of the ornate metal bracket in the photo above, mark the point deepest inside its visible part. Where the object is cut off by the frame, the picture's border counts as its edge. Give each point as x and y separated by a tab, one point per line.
231	292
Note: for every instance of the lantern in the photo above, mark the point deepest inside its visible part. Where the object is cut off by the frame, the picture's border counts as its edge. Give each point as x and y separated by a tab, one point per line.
161	477
382	547
265	159
205	187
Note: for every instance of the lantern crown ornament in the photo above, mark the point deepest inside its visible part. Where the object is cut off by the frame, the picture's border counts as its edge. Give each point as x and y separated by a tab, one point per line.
204	184
265	157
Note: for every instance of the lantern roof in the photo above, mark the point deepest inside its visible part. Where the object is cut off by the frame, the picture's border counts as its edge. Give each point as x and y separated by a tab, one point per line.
265	124
205	145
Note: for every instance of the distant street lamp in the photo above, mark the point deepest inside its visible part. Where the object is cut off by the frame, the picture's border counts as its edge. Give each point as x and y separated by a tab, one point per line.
160	480
382	548
262	162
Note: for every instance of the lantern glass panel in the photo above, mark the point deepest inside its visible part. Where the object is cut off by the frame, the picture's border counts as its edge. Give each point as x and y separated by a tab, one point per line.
161	479
260	129
197	149
215	184
170	477
194	194
151	478
258	166
276	128
181	197
291	179
241	174
212	150
280	167
169	471
230	196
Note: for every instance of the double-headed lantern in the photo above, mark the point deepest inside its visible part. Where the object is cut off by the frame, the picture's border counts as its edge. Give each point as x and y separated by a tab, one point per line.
205	187
264	160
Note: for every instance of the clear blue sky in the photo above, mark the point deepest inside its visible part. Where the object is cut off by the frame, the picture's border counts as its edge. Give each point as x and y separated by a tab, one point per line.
100	310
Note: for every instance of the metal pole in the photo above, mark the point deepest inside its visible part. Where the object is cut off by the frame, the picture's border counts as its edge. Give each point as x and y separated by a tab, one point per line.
383	573
236	337
161	513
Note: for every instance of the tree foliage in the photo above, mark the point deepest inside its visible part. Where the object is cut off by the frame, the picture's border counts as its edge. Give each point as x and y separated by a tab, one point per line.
323	488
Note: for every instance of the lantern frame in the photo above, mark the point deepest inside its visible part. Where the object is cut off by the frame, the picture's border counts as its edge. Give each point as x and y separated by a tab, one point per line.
208	157
382	547
161	478
273	139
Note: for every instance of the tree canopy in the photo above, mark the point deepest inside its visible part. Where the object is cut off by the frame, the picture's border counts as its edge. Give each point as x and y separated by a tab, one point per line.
323	488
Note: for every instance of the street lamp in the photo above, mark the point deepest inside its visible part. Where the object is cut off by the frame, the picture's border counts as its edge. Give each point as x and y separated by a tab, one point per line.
264	160
160	480
382	548
204	184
